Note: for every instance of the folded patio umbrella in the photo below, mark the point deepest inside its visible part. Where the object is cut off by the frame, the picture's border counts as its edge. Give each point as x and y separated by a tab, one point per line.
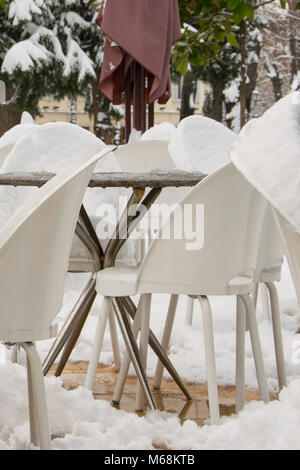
138	32
268	154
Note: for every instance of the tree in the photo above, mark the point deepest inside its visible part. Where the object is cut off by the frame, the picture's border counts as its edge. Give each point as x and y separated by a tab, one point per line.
215	24
280	62
51	47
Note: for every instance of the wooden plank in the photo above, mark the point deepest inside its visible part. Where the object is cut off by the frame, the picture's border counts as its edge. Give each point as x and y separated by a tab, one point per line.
110	180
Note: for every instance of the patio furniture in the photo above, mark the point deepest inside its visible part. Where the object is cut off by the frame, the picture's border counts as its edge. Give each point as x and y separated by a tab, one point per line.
69	333
142	157
32	280
222	267
268	156
268	271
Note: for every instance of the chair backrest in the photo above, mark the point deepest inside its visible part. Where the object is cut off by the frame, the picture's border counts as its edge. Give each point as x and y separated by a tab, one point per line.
271	250
147	156
34	251
233	215
291	242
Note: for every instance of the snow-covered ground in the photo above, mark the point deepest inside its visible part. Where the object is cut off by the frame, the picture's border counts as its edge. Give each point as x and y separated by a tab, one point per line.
85	423
80	422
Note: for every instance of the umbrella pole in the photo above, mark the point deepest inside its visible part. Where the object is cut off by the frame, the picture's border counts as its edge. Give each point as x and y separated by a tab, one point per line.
139	108
150	115
127	87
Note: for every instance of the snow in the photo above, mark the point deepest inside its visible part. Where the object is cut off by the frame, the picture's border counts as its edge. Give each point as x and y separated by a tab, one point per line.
22	10
79	60
163	131
232	92
80	422
73	19
269	156
10	137
84	423
23	55
201	144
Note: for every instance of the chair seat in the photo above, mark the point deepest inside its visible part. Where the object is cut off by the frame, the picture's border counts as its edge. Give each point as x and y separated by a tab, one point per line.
117	281
21	336
81	265
123	281
270	275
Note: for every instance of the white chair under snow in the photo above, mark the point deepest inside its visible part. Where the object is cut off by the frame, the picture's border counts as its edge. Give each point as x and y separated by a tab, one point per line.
267	272
268	156
223	266
34	252
51	153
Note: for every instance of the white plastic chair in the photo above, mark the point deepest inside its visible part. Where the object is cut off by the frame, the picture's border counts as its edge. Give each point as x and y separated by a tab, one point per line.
34	251
137	157
141	157
268	271
86	253
291	241
224	266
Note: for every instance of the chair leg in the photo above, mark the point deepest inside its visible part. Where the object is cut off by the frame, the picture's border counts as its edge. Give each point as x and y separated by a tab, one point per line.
256	348
255	294
118	390
189	310
114	339
74	335
158	350
69	325
240	354
265	301
37	397
33	419
15	351
133	350
144	340
275	313
97	343
210	360
166	339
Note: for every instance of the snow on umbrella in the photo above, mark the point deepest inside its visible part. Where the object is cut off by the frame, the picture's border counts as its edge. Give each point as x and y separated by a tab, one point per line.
139	36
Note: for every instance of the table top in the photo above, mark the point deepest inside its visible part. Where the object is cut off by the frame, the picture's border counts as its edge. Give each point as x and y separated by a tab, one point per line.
151	179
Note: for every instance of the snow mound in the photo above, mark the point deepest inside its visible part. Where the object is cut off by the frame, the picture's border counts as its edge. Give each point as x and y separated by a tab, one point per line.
164	131
201	144
49	147
11	137
78	422
268	154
